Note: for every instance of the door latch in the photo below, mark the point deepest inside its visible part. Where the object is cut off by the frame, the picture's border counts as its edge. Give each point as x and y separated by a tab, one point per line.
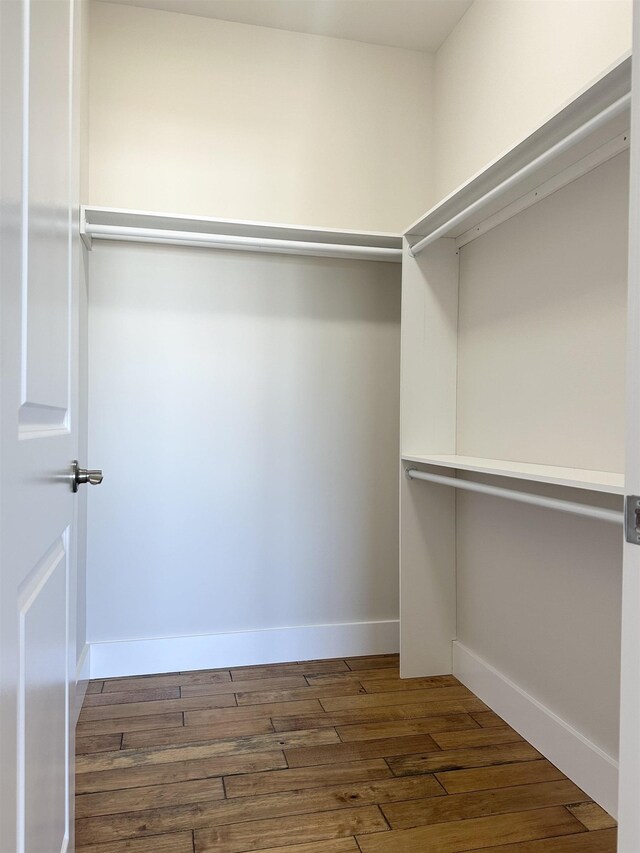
79	476
632	519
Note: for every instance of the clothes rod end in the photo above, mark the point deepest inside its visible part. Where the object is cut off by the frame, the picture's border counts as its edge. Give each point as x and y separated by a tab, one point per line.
408	472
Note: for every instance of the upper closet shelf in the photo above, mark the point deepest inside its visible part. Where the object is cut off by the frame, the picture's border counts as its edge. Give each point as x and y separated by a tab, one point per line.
101	223
589	130
577	478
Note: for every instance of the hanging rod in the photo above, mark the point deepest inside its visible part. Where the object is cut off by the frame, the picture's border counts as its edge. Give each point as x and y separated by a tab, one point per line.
246	244
616	516
614	109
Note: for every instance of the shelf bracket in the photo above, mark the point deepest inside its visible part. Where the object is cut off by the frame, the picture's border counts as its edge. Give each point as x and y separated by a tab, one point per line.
632	519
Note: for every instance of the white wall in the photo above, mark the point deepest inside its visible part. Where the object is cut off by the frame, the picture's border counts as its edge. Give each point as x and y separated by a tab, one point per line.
541	356
507	66
194	115
541	329
245	410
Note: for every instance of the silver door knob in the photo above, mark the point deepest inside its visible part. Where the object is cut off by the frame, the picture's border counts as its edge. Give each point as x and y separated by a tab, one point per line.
84	475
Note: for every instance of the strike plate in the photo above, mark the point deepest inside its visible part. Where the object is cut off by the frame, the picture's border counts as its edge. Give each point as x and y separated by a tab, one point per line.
632	519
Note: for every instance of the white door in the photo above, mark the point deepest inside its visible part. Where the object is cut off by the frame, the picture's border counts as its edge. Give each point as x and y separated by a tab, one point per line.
38	399
629	785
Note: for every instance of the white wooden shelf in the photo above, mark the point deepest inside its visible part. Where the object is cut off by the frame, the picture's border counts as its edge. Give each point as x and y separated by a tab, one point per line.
577	478
591	128
102	223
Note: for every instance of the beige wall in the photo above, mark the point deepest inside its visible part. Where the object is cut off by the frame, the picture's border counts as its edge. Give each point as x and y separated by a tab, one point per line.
260	396
194	115
507	66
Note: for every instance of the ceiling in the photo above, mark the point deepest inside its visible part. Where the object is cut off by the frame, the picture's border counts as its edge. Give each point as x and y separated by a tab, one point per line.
412	24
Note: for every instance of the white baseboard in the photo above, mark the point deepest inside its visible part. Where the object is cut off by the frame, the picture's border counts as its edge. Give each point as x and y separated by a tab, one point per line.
243	648
582	761
83	673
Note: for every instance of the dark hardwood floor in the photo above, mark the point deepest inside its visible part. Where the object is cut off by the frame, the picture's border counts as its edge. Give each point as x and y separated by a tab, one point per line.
323	756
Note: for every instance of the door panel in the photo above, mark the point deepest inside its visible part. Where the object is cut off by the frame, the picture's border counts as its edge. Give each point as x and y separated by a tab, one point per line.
43	699
38	437
45	273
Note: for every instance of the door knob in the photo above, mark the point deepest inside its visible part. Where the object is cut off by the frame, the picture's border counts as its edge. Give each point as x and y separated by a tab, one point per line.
84	475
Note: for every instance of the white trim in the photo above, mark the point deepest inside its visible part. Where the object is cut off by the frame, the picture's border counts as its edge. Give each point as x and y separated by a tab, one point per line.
586	764
243	648
83	673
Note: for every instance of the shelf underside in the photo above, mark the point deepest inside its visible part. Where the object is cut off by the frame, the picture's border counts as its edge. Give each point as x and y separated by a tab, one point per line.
577	478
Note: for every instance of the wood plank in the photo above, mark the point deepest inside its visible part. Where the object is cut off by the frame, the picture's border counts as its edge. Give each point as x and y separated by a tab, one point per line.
488	719
326	798
131	696
371	661
476	833
601	841
130	724
271	782
136	709
98	743
341	752
180	771
94	687
258	834
172	842
195	734
290	682
482	803
149	796
153	682
459	759
114	827
477	737
119	827
592	816
400	728
337	845
248	712
310	668
397	697
261	697
501	776
372	715
388	678
384	685
168	754
391	673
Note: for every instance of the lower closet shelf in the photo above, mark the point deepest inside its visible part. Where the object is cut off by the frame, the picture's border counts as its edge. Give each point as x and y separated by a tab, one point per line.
578	478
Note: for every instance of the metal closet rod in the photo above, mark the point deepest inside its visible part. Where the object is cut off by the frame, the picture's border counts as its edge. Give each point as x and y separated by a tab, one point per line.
613	515
247	244
576	136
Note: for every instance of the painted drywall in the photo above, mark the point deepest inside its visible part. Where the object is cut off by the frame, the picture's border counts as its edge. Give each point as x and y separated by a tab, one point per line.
245	409
542	326
539	599
198	116
507	66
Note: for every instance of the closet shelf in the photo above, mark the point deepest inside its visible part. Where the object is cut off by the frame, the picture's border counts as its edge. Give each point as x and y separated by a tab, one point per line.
586	132
102	223
577	478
